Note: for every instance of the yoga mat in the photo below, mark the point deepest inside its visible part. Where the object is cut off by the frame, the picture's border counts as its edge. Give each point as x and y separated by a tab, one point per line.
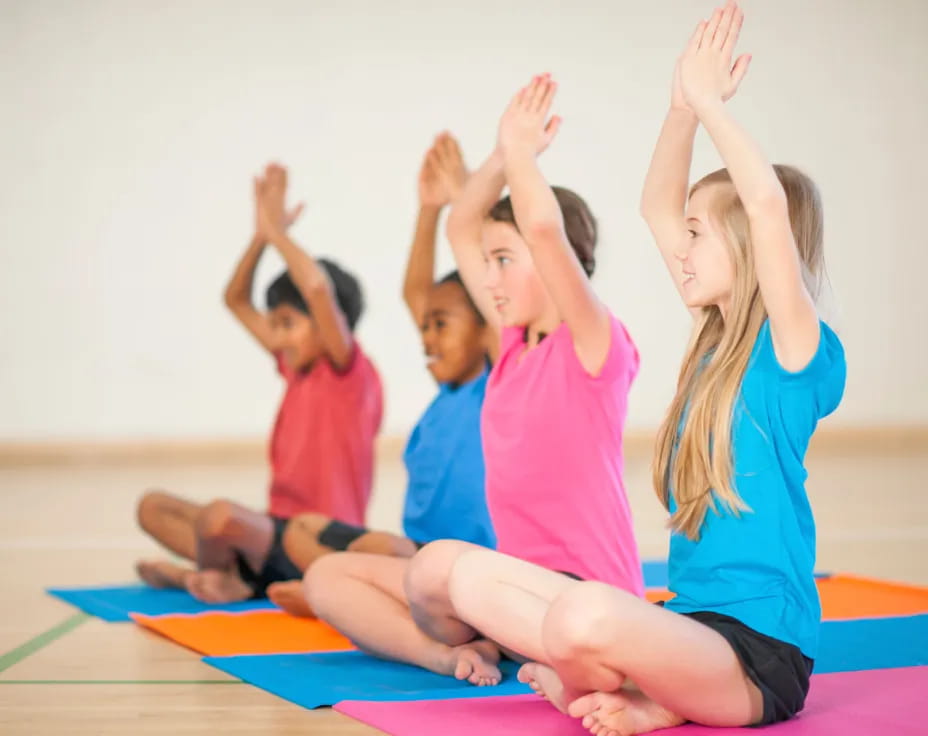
115	603
872	644
251	632
851	597
871	703
315	680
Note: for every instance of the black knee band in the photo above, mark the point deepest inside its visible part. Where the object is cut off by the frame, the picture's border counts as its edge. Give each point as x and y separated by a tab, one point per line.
339	536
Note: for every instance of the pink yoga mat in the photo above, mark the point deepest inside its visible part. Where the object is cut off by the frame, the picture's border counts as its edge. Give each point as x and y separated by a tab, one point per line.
865	703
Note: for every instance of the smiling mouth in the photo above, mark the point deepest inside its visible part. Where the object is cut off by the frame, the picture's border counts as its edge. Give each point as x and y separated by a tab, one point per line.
687	277
500	302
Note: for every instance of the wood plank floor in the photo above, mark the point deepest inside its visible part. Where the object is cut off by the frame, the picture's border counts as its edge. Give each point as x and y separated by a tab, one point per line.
73	525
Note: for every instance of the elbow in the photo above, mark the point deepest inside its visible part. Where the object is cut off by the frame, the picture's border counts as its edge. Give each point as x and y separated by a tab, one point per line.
769	204
543	230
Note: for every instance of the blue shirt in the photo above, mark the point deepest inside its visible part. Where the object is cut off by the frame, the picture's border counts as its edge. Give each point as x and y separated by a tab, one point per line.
758	568
446	495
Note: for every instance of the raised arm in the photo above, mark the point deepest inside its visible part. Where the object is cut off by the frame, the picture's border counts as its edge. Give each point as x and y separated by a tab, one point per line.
465	224
663	200
704	73
239	289
524	132
308	276
441	179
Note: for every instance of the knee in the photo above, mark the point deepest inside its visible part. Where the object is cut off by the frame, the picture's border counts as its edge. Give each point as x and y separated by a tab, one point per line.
430	569
383	543
150	506
310	524
320	583
215	520
582	620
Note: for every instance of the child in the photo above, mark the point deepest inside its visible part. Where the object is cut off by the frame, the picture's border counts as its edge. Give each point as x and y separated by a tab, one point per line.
323	441
736	645
445	497
552	420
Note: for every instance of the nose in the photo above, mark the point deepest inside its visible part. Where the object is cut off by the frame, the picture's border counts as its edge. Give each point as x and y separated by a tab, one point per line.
491	277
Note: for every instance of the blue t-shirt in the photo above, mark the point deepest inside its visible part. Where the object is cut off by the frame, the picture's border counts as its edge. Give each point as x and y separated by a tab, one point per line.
758	568
446	495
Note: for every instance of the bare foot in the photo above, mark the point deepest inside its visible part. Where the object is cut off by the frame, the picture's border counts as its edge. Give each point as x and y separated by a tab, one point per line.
475	662
546	683
622	713
162	574
217	586
289	596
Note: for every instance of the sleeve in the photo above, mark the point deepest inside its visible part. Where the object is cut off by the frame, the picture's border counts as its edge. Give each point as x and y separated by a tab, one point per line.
822	380
622	360
282	368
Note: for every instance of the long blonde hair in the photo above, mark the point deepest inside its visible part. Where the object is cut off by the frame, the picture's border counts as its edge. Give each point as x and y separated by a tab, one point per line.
694	457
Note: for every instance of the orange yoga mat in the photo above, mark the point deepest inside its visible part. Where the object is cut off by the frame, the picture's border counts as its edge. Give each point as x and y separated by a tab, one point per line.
850	596
254	632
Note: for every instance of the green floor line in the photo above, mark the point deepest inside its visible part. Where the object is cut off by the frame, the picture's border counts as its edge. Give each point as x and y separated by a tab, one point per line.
121	682
42	640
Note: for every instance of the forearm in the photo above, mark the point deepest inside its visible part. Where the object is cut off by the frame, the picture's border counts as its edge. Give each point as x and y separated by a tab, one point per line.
667	181
752	174
481	192
420	269
533	201
307	275
239	287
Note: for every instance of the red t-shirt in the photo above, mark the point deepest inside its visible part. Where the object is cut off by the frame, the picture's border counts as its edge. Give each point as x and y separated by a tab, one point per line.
322	449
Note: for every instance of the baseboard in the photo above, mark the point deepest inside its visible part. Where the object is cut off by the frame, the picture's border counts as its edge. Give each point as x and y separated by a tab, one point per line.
830	440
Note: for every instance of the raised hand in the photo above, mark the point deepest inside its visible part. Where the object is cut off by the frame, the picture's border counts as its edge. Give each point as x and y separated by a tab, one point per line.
525	125
271	216
443	173
707	75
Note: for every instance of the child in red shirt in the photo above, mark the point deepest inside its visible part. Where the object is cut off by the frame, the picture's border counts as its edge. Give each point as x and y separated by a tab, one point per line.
322	447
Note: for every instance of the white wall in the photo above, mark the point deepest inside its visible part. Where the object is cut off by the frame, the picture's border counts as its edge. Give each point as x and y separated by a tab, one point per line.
130	131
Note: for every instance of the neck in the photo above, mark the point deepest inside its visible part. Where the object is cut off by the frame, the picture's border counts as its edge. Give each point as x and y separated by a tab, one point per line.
536	330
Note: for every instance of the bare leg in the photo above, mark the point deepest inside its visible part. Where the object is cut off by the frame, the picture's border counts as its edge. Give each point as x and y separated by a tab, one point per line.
596	636
223	530
302	546
171	521
362	596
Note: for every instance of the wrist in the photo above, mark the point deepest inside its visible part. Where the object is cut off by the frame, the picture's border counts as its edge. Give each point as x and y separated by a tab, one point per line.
707	106
430	209
683	114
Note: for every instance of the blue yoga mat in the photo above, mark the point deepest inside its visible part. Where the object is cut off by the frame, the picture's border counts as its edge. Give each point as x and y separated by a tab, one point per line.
872	644
115	603
316	680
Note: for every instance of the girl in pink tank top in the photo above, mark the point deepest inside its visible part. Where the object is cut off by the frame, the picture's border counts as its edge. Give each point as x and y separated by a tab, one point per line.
552	429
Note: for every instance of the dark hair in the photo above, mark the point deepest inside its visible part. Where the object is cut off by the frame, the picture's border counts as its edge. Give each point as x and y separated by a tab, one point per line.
579	223
454	277
348	292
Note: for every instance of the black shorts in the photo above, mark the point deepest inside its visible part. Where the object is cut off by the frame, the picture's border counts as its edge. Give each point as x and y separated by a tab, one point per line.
276	568
780	671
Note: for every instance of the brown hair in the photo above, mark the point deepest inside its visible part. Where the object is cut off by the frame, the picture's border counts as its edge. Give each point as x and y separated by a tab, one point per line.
693	458
579	224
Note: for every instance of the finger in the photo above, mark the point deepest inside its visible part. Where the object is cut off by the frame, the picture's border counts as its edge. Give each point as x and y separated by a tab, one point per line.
696	38
295	213
551	129
533	93
739	70
721	33
711	28
734	32
547	99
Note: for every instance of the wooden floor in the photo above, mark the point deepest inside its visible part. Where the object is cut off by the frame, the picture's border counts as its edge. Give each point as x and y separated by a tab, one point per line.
73	525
